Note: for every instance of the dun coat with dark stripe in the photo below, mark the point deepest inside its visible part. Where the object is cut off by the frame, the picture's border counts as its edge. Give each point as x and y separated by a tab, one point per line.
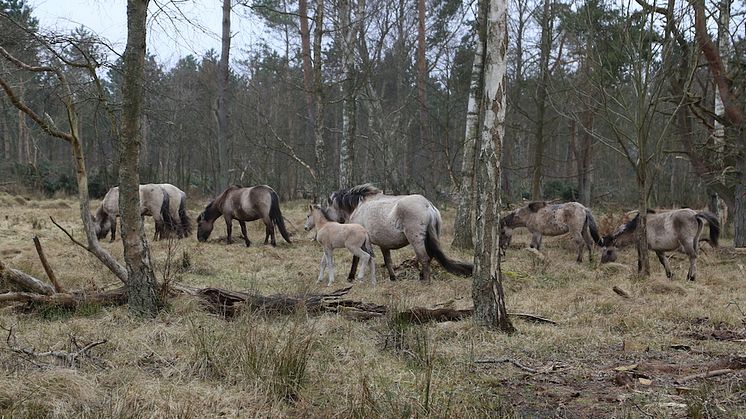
164	202
543	219
244	204
666	231
393	222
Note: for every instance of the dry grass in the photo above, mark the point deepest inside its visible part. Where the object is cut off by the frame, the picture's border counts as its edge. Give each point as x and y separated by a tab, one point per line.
188	363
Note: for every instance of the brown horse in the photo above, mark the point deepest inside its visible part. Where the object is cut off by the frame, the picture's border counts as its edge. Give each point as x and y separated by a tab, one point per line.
543	219
164	202
244	204
333	235
666	231
393	222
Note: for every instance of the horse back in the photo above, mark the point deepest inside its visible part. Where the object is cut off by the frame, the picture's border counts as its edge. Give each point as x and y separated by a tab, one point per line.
670	229
249	204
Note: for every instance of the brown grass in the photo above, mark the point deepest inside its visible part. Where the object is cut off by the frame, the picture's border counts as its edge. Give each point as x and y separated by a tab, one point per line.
189	363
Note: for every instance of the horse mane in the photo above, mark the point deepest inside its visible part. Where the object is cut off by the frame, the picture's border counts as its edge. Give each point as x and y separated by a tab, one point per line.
212	210
348	199
507	221
324	212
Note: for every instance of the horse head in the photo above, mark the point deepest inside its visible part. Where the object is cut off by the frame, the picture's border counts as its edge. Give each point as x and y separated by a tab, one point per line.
101	223
310	223
204	225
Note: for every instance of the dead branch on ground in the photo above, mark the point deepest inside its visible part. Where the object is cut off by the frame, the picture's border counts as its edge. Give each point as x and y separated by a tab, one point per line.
61	358
47	268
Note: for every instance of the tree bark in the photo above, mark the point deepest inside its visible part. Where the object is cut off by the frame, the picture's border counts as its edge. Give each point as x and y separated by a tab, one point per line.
487	290
319	146
422	76
462	230
348	34
643	260
222	178
305	42
545	49
142	293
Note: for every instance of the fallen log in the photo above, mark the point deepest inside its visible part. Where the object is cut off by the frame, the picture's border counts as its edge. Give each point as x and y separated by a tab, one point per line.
23	281
708	374
116	296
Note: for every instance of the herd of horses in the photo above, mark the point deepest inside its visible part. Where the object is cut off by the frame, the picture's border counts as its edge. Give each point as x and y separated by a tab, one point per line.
359	217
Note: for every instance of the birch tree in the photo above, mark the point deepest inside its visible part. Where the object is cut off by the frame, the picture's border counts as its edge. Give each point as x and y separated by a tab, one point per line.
221	178
487	290
462	230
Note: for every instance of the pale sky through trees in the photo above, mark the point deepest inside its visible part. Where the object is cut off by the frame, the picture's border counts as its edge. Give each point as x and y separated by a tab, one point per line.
176	28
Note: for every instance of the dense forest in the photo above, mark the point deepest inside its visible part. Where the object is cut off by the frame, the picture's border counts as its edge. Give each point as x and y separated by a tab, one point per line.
604	99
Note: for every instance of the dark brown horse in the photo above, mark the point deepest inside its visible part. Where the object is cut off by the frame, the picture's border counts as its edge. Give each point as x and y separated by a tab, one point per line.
666	231
244	204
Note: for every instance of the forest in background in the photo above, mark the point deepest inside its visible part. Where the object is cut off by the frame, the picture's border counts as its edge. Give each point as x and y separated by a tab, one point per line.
592	87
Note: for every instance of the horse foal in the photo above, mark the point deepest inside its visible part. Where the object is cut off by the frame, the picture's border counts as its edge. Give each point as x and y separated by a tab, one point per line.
333	235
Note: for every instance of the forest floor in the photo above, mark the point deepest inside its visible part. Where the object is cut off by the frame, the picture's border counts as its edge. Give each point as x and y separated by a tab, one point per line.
607	356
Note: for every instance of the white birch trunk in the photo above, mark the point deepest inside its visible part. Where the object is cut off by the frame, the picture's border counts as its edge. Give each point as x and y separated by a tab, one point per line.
487	291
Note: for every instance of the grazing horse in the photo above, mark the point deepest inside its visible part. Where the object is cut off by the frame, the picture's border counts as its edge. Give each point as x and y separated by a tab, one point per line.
244	204
666	231
393	222
333	235
543	219
164	202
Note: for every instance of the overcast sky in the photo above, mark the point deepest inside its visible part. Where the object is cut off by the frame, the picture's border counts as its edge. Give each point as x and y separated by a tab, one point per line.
193	28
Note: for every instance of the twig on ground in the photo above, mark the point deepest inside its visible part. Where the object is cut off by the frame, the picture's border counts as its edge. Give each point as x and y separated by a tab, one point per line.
552	366
621	291
708	374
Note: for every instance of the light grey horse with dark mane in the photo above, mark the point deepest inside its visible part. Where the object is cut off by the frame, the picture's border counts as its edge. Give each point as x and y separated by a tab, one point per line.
666	231
393	222
543	219
164	202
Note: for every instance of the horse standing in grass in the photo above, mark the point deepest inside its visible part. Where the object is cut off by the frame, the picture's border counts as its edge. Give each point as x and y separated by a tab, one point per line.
333	235
164	202
393	222
666	231
244	204
543	219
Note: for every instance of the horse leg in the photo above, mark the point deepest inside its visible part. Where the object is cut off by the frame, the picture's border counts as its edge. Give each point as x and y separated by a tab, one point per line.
387	262
158	230
536	241
664	261
322	267
270	231
691	251
113	230
422	256
364	257
245	234
353	268
580	244
372	270
589	244
229	228
330	265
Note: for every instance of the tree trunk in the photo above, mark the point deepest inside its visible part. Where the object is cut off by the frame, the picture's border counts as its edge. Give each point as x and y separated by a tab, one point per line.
545	49
222	178
348	36
143	297
643	261
462	230
422	76
305	42
319	146
739	211
584	160
487	290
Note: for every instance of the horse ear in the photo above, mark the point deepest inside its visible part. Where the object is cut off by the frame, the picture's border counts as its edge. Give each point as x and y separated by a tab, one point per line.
535	206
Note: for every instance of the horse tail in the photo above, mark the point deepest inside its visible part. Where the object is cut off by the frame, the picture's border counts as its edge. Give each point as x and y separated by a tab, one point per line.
368	246
185	221
168	221
276	216
432	246
592	226
714	226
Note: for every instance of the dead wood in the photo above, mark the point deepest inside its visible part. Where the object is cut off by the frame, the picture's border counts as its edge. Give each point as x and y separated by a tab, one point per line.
532	318
116	296
552	366
419	315
621	292
23	281
60	358
47	268
708	374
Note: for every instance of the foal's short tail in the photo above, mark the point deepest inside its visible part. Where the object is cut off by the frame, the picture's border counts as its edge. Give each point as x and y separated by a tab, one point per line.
432	246
276	216
186	222
592	226
368	246
714	226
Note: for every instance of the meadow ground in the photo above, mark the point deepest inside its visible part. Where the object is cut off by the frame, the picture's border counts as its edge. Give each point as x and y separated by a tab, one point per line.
608	356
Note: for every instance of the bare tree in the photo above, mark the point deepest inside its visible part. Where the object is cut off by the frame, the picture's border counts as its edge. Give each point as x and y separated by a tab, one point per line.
318	84
487	290
222	176
541	99
142	293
